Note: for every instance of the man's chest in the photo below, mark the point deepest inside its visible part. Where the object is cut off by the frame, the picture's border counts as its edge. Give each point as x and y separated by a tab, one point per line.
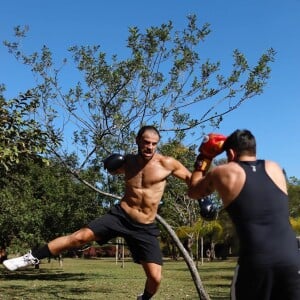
148	176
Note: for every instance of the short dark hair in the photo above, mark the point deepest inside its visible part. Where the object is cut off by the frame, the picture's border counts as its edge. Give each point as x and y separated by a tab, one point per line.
241	141
146	128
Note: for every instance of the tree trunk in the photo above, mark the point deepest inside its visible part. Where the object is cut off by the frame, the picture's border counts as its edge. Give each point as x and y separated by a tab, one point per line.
202	250
192	267
197	251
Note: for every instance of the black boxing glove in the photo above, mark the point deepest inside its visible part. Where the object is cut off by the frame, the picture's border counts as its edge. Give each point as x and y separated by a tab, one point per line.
208	210
114	162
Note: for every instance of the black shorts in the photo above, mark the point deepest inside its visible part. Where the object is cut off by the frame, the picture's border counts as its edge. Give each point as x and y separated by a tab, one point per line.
266	283
142	239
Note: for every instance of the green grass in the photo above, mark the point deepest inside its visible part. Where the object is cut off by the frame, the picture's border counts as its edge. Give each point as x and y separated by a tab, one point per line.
90	279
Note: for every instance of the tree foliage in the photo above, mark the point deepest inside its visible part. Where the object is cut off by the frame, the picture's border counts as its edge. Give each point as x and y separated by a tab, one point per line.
294	196
163	81
21	136
39	203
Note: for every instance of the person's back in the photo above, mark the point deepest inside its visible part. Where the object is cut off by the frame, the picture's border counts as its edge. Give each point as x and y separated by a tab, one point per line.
261	217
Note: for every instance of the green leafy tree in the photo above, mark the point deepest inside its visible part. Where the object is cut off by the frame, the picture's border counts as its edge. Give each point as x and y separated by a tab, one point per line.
21	141
39	203
198	232
21	136
295	222
164	80
294	196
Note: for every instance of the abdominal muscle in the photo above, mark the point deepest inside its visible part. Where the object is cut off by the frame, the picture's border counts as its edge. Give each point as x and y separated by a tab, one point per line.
142	204
144	187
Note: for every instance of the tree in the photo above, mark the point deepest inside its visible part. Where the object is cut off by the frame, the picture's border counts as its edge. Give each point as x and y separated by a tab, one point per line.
21	136
199	230
295	222
163	81
294	196
40	203
21	141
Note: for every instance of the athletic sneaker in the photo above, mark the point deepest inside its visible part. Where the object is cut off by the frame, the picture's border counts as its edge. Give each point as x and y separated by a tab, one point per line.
20	262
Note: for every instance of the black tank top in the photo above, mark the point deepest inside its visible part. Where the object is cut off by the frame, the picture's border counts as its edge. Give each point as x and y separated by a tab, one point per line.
261	217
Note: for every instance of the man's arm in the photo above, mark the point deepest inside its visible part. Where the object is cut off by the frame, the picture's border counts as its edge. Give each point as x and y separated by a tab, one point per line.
201	185
179	170
201	181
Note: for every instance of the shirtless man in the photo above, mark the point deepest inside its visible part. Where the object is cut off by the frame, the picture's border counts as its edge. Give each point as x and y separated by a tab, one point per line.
254	193
133	218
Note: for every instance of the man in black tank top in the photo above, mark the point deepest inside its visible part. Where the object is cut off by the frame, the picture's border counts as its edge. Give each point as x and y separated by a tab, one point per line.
254	193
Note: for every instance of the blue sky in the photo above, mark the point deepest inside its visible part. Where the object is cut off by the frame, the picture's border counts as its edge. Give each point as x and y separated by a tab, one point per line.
251	26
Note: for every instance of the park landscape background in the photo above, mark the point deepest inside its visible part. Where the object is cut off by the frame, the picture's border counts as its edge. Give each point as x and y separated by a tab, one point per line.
61	118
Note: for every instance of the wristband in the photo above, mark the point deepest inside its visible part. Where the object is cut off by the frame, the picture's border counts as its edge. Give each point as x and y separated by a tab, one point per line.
202	165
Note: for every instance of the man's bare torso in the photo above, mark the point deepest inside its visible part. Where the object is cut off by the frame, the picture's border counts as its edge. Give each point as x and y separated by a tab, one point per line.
145	182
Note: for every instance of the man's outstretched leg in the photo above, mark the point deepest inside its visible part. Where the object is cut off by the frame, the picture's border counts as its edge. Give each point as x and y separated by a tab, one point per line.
53	248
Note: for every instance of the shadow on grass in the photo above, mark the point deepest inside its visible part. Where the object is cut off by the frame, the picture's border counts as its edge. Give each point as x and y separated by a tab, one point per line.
41	275
52	291
54	284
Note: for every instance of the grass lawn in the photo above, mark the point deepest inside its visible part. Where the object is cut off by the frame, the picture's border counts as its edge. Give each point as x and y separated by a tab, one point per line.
91	279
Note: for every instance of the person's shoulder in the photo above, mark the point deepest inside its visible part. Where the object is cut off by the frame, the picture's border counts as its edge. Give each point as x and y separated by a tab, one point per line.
272	163
272	166
227	168
164	158
168	158
167	161
277	174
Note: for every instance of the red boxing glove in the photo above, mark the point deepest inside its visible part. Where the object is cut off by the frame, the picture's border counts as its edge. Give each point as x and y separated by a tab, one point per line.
210	147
